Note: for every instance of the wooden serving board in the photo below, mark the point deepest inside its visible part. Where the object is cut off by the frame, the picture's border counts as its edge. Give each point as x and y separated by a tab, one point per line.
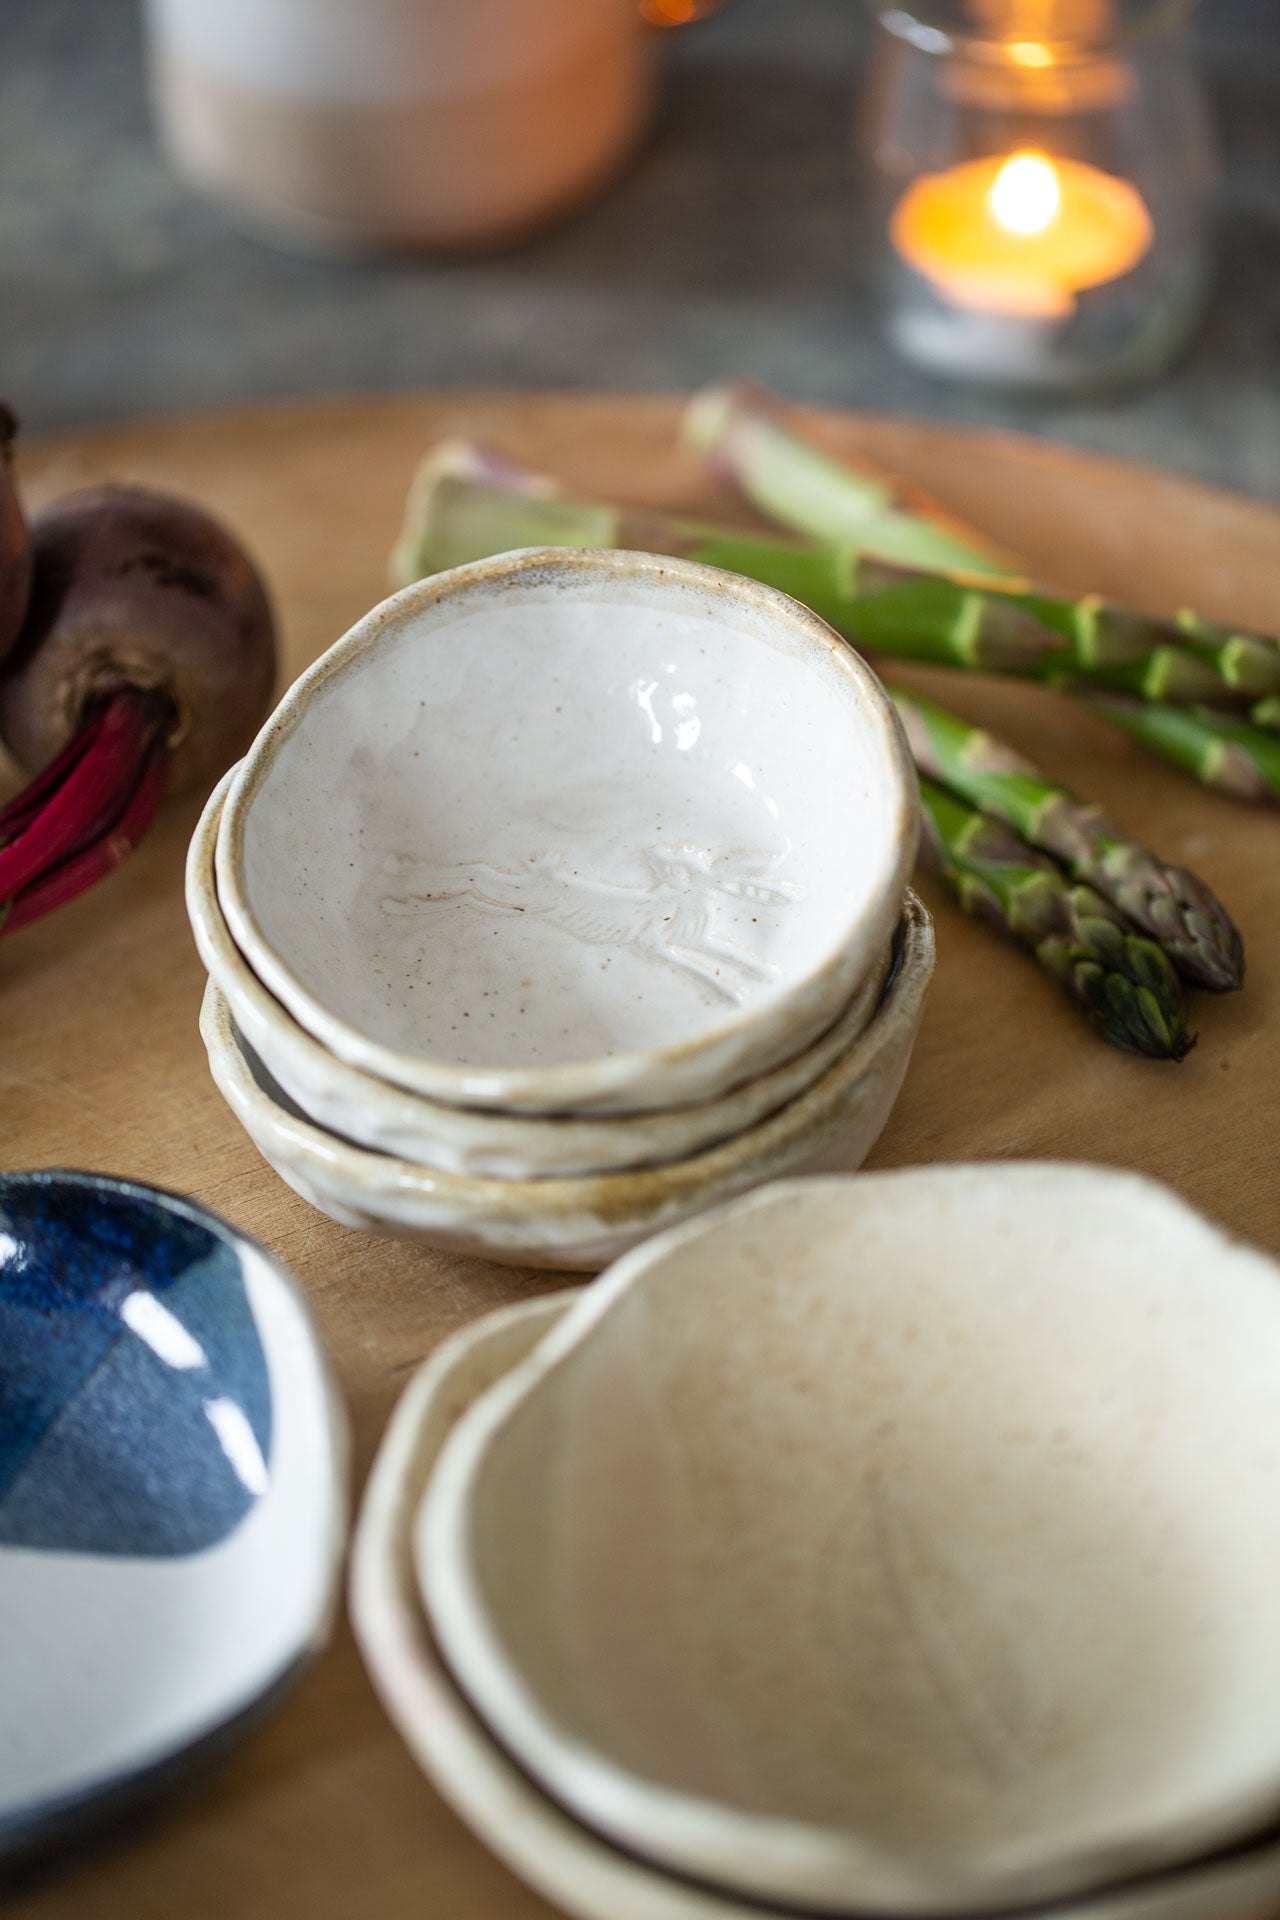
323	1814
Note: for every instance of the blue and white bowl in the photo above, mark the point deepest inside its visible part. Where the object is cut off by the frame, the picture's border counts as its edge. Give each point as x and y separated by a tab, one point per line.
172	1493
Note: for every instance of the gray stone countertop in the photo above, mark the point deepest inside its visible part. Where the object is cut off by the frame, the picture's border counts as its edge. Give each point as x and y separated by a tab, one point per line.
728	247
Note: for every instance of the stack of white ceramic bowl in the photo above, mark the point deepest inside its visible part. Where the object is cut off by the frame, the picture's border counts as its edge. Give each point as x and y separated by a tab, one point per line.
563	898
904	1545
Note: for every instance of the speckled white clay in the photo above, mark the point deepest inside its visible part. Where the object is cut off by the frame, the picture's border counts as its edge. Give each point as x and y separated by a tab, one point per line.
572	831
906	1544
373	1113
551	1851
586	1221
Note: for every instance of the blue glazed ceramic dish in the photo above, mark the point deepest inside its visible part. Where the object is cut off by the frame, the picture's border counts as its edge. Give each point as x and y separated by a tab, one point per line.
172	1493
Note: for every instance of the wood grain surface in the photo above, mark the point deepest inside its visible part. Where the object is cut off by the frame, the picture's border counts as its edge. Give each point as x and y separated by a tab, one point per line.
322	1813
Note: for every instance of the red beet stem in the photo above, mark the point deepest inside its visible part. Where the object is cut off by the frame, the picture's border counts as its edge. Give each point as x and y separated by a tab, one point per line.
92	794
18	814
62	883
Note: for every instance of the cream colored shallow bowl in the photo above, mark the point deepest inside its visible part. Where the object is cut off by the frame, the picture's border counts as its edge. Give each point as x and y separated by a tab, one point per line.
566	831
562	1860
585	1221
372	1113
906	1544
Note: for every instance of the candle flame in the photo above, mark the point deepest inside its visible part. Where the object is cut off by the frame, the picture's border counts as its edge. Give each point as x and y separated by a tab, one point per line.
675	13
1022	235
1025	194
1029	53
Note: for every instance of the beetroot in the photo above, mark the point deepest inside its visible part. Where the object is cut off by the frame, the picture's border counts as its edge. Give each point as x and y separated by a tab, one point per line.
146	662
15	543
137	589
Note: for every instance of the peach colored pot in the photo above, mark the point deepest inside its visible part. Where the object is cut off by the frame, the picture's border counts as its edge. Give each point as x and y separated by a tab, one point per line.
399	123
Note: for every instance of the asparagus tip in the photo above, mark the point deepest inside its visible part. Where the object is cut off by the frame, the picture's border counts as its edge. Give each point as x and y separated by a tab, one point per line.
1206	944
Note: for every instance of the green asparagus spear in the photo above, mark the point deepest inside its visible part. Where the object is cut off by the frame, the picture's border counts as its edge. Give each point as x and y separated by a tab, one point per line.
1123	981
1214	748
765	465
743	433
1166	902
902	611
459	459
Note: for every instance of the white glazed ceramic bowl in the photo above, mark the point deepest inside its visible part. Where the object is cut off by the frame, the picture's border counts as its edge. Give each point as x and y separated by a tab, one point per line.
906	1544
483	1142
568	831
564	1861
584	1222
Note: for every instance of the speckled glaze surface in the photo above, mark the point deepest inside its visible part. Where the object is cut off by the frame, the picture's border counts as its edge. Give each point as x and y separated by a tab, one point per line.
487	1143
564	1862
584	1222
902	1544
172	1492
558	1856
567	831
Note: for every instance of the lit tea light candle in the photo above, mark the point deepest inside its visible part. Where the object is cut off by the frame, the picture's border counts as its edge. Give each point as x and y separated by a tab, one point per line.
1074	255
1022	236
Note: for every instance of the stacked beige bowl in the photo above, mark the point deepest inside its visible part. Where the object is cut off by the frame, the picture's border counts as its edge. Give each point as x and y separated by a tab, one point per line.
898	1545
563	898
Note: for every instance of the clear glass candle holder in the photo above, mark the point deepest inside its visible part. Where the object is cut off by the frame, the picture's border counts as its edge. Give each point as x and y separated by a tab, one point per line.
1043	173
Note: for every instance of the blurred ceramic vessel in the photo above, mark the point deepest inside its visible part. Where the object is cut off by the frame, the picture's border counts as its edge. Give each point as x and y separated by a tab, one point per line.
172	1495
400	123
464	1140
